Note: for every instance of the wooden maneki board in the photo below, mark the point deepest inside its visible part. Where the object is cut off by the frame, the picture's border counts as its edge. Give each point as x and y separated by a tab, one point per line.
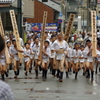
16	33
8	60
69	26
42	34
94	36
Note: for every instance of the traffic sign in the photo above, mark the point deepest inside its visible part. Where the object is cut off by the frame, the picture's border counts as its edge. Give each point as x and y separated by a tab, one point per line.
60	14
59	20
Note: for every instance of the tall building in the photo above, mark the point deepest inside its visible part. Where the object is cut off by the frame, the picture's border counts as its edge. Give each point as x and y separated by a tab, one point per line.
6	5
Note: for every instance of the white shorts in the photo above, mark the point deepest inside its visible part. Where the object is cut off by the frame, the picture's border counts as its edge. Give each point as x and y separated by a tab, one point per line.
90	59
81	60
76	60
31	56
26	59
2	61
59	56
52	55
68	59
16	57
45	60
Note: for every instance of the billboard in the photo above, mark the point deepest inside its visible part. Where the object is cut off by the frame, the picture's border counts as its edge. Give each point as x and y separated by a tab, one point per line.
37	27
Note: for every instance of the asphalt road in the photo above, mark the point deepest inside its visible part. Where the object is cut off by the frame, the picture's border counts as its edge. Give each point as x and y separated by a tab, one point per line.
29	88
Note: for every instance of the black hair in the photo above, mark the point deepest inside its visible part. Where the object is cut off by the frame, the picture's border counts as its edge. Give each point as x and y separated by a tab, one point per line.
26	44
76	43
88	41
32	35
97	30
35	38
8	42
28	39
47	42
53	36
13	41
46	33
82	46
2	43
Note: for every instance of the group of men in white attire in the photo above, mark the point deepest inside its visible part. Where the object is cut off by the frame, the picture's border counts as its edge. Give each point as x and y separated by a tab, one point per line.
56	55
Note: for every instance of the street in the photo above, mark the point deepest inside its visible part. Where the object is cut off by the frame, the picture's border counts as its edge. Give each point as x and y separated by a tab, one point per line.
28	88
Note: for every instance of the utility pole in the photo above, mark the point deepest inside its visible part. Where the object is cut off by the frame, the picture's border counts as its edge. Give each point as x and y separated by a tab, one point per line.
83	19
79	17
66	4
20	17
78	4
63	15
95	3
88	14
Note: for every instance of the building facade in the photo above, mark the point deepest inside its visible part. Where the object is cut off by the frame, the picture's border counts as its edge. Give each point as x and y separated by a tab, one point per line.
28	9
39	9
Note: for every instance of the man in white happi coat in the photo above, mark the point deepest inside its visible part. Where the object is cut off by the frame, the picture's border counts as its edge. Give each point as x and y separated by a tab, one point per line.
59	46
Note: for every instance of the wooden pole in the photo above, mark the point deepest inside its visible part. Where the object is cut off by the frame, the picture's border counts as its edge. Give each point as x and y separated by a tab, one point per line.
16	33
42	34
8	60
94	36
69	26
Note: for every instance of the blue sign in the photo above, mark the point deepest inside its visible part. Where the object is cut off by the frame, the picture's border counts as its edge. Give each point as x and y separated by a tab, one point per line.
60	14
37	27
